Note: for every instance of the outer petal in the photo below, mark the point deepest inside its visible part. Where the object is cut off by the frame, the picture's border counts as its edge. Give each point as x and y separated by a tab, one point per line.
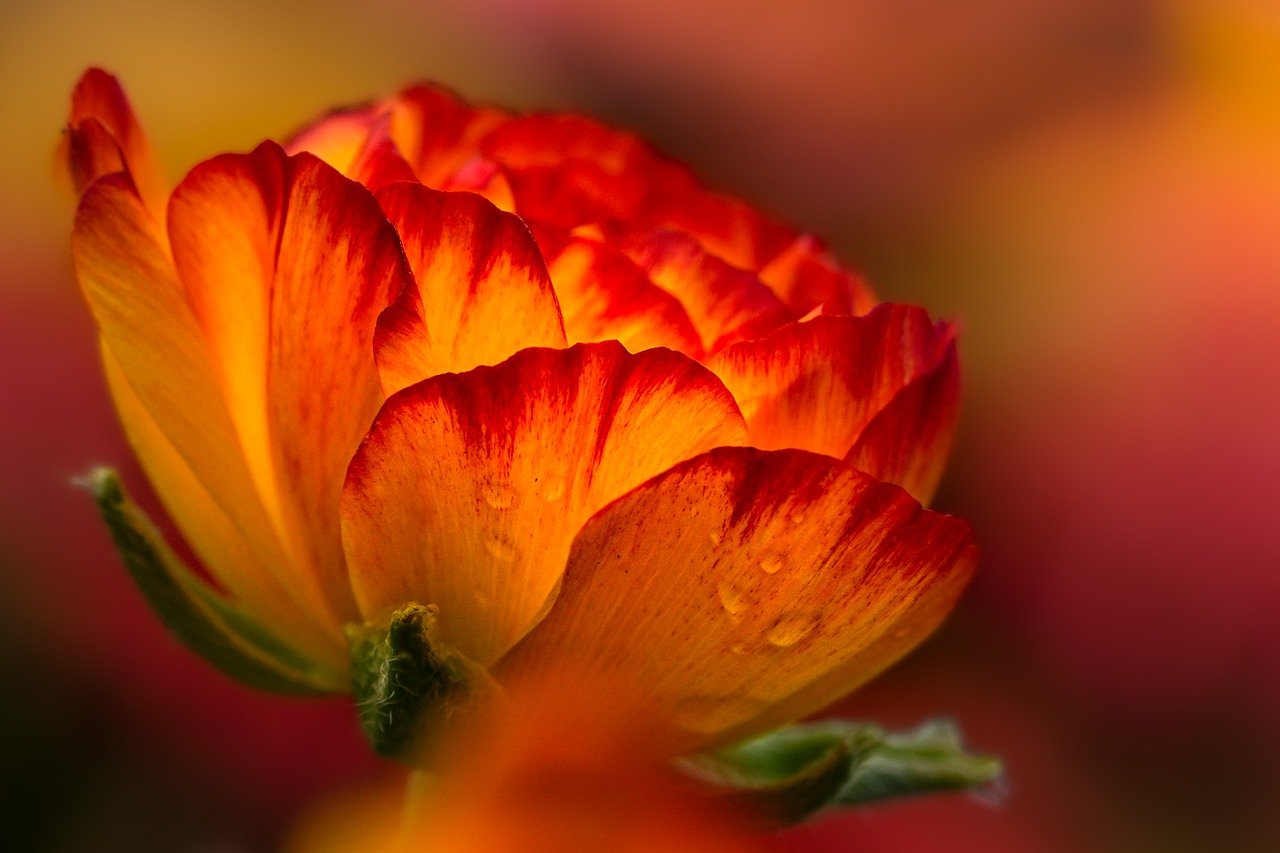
726	304
169	396
605	296
287	265
806	277
212	533
729	586
817	385
103	136
909	441
482	292
470	487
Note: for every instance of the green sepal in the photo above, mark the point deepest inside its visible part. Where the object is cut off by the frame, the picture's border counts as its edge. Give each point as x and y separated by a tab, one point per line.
406	684
203	620
791	773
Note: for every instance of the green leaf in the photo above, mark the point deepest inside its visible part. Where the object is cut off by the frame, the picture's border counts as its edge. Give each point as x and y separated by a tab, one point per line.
206	622
405	683
789	774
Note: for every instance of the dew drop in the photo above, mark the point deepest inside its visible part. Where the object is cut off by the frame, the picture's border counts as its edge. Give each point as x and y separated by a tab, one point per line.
717	536
554	490
500	547
771	564
790	628
735	595
498	496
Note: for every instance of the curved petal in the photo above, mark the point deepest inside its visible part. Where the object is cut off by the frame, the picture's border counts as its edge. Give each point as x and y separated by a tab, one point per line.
569	170
103	137
482	291
604	296
438	132
729	586
287	265
470	487
726	304
806	278
909	441
816	385
213	535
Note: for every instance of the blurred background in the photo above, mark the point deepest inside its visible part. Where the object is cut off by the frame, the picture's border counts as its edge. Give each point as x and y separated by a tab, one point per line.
1091	186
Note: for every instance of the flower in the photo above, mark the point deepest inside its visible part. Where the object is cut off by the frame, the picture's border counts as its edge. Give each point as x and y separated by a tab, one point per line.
530	378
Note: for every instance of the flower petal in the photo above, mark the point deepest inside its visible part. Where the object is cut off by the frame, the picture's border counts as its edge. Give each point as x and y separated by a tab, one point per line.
103	137
482	291
604	296
816	385
726	304
211	532
470	487
733	586
805	276
909	441
569	170
287	265
163	381
438	132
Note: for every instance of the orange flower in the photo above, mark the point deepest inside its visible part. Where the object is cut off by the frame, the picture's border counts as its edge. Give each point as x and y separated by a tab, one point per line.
599	414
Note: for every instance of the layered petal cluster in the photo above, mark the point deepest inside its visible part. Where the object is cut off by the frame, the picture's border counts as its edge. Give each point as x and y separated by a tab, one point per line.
526	371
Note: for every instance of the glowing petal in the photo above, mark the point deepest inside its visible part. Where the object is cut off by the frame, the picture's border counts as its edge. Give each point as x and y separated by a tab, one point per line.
482	292
909	441
103	137
816	385
470	487
734	586
726	304
806	277
605	296
287	265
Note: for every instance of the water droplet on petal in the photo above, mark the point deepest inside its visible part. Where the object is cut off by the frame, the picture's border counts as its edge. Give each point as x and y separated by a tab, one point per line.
796	516
498	496
500	547
790	628
736	595
771	563
554	490
717	537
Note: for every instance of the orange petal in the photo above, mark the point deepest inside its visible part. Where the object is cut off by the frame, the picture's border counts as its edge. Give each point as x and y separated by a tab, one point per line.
726	304
438	132
287	265
164	383
213	535
357	142
816	385
605	296
482	292
729	586
909	441
568	170
338	137
807	277
103	137
470	487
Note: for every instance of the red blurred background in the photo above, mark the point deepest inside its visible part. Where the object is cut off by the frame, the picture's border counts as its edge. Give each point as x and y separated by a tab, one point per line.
1091	186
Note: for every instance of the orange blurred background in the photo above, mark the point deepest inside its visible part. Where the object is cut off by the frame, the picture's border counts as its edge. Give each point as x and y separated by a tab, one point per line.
1091	186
